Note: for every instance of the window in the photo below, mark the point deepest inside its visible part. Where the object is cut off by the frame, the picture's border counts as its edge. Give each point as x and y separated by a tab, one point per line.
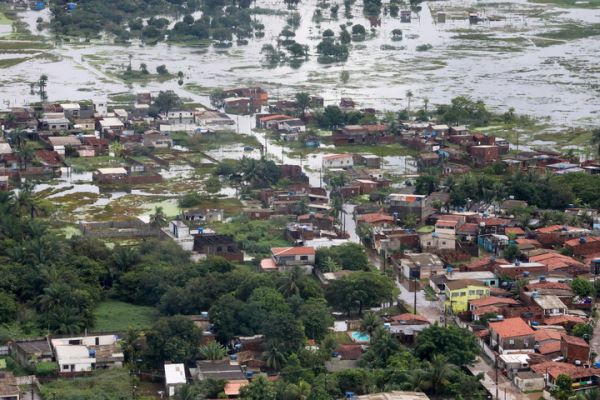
219	249
492	283
230	249
471	292
462	294
480	292
510	341
65	367
443	242
304	258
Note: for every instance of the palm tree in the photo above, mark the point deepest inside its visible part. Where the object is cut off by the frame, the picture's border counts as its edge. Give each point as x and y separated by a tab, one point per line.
212	351
419	380
290	287
370	322
329	265
26	154
42	83
302	102
438	371
425	104
409	96
596	140
158	219
274	358
66	320
593	394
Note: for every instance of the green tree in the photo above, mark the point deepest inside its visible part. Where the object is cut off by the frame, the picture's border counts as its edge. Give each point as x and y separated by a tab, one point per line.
274	358
360	289
582	287
316	318
166	101
426	184
596	141
584	331
283	331
259	389
174	339
302	102
212	351
457	344
158	219
511	252
370	322
8	307
212	185
162	70
563	387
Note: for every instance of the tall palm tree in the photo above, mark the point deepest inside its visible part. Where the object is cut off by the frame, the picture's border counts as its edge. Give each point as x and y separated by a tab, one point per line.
158	219
370	322
439	370
596	140
409	96
425	104
418	380
274	358
290	287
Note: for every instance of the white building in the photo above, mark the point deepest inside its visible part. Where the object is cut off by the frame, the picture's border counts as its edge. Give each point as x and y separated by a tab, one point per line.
83	354
101	107
338	161
174	378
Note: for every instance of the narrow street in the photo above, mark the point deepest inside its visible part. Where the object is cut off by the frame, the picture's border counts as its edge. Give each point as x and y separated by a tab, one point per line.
506	390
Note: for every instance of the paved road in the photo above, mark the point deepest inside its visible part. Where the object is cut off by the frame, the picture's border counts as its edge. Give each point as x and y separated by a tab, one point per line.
595	342
506	390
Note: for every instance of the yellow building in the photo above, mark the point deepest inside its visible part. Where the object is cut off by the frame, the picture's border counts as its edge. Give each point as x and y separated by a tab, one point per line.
459	292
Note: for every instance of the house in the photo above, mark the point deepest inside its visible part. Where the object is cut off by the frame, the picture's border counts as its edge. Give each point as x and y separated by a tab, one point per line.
394	395
71	110
227	370
318	220
347	104
217	245
345	356
258	96
110	175
420	265
408	204
583	378
62	142
54	122
459	292
368	160
584	246
270	121
233	387
490	305
360	134
376	219
488	278
407	326
292	125
338	161
518	269
174	378
555	235
84	354
551	305
557	263
286	258
157	140
204	215
181	116
9	389
574	349
238	105
110	124
28	352
512	335
213	120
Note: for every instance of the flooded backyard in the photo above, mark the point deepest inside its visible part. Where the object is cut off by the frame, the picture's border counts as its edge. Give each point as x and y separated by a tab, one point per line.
534	57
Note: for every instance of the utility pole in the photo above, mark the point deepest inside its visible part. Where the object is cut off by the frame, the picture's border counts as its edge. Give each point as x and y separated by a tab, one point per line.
496	366
415	301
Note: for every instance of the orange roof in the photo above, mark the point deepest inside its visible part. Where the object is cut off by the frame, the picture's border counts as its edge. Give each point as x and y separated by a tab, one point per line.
511	327
550	347
492	300
409	317
267	118
543	335
549	229
563	319
267	264
336	156
445	222
532	242
232	387
548	285
487	310
575	340
555	260
485	261
514	230
482	333
554	369
495	221
293	251
375	217
588	239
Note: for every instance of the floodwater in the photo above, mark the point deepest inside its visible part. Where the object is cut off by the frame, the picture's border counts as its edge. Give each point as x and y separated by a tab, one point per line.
512	69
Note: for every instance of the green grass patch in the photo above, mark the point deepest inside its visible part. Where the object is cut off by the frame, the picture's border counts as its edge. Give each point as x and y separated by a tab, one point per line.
121	97
570	3
93	163
11	62
4	20
573	32
111	383
6	45
216	140
112	315
343	338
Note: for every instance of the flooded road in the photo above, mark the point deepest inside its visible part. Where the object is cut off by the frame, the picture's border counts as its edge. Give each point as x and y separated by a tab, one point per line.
503	62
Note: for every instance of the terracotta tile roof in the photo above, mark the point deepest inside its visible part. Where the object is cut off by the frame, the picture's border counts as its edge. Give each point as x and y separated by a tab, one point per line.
315	216
293	251
575	340
267	118
469	229
514	230
485	261
268	264
446	222
492	300
548	285
564	319
555	261
463	283
549	347
482	333
233	387
406	317
487	310
555	369
532	242
543	335
575	242
495	221
553	228
350	351
336	156
511	327
375	217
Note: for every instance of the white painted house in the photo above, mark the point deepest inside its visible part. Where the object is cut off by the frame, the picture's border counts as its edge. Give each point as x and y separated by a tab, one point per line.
83	354
338	161
174	378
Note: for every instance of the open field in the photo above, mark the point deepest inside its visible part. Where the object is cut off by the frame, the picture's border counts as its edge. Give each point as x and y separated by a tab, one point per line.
112	315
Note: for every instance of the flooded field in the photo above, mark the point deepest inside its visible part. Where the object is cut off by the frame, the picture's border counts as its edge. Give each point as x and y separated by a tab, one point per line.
537	58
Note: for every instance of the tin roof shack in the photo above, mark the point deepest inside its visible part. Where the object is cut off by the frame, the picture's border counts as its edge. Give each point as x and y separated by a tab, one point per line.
484	154
408	204
174	378
217	245
361	134
84	354
574	349
9	389
512	335
225	370
29	352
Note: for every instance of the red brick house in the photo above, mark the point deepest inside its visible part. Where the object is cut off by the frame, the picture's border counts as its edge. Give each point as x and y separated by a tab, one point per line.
574	349
484	154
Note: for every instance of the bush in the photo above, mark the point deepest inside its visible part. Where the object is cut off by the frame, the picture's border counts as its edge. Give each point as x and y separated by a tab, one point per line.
46	368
